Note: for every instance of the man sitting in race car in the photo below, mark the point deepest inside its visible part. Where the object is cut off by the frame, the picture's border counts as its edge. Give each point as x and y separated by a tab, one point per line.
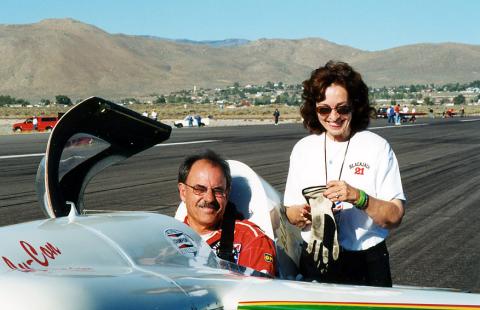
204	182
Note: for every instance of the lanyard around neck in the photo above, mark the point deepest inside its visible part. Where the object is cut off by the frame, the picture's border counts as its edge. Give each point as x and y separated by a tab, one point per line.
325	157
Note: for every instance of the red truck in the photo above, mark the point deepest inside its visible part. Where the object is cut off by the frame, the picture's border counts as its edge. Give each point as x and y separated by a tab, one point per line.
44	123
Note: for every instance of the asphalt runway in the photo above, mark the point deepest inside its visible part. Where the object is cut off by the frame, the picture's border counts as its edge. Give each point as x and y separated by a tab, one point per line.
437	245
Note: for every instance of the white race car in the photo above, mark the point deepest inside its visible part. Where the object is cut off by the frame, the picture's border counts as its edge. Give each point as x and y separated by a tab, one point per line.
192	121
142	260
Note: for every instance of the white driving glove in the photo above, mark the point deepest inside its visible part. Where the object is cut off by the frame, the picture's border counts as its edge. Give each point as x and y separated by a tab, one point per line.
323	241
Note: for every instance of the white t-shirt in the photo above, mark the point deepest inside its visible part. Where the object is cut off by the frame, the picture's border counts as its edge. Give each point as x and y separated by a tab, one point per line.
370	165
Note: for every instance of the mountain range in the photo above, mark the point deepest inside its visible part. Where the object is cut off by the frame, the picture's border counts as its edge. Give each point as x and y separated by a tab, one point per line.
68	57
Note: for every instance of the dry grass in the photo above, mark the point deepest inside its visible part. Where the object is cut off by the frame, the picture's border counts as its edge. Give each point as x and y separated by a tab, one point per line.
178	111
172	111
23	112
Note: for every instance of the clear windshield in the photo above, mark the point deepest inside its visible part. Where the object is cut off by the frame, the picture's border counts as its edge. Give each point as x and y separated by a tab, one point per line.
79	148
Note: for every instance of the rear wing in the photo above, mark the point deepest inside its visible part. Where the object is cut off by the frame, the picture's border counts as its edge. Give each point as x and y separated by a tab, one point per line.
91	136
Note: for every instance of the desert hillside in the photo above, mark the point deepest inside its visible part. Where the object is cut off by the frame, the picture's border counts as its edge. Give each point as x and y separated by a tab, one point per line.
65	56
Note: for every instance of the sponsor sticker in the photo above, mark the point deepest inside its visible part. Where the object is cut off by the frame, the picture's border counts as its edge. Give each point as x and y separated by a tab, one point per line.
337	206
182	242
42	256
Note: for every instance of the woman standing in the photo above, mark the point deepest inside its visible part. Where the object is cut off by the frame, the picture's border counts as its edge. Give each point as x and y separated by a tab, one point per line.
359	169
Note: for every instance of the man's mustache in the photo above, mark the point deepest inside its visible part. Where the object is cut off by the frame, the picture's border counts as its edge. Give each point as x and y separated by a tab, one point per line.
203	204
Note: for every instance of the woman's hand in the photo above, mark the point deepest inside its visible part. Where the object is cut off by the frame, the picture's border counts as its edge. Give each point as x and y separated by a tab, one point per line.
386	214
341	191
299	215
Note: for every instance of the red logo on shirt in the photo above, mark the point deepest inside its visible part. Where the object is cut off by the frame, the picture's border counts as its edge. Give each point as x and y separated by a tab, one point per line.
359	168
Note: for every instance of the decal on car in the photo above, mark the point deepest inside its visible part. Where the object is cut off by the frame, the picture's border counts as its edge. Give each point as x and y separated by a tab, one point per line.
41	257
182	242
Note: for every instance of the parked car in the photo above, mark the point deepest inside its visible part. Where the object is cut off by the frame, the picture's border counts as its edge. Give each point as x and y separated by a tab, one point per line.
449	113
44	123
192	121
382	113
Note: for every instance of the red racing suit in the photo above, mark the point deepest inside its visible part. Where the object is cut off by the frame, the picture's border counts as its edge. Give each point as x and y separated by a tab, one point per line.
251	246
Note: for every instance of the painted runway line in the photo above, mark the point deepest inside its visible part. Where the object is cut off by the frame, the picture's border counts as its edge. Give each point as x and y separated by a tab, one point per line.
161	144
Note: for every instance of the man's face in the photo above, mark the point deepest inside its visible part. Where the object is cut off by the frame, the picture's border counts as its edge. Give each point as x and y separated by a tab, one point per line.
207	200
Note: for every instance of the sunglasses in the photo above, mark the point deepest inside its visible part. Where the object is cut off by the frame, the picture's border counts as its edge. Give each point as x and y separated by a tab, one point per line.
200	190
325	109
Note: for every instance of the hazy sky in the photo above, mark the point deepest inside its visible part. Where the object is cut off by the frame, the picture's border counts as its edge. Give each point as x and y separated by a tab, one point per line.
365	24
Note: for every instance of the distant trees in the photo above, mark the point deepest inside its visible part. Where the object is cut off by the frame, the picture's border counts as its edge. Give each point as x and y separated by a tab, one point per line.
263	100
428	101
453	87
234	91
45	101
129	101
285	98
460	99
179	99
290	94
160	100
7	100
399	96
475	83
62	99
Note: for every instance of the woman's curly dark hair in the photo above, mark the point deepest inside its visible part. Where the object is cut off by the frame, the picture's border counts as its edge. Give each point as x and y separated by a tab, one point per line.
342	74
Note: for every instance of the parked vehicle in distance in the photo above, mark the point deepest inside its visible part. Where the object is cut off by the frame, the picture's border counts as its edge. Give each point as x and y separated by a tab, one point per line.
449	113
382	112
44	123
192	121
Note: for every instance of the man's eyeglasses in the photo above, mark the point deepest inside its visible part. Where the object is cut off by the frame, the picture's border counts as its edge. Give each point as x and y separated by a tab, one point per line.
325	109
201	190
